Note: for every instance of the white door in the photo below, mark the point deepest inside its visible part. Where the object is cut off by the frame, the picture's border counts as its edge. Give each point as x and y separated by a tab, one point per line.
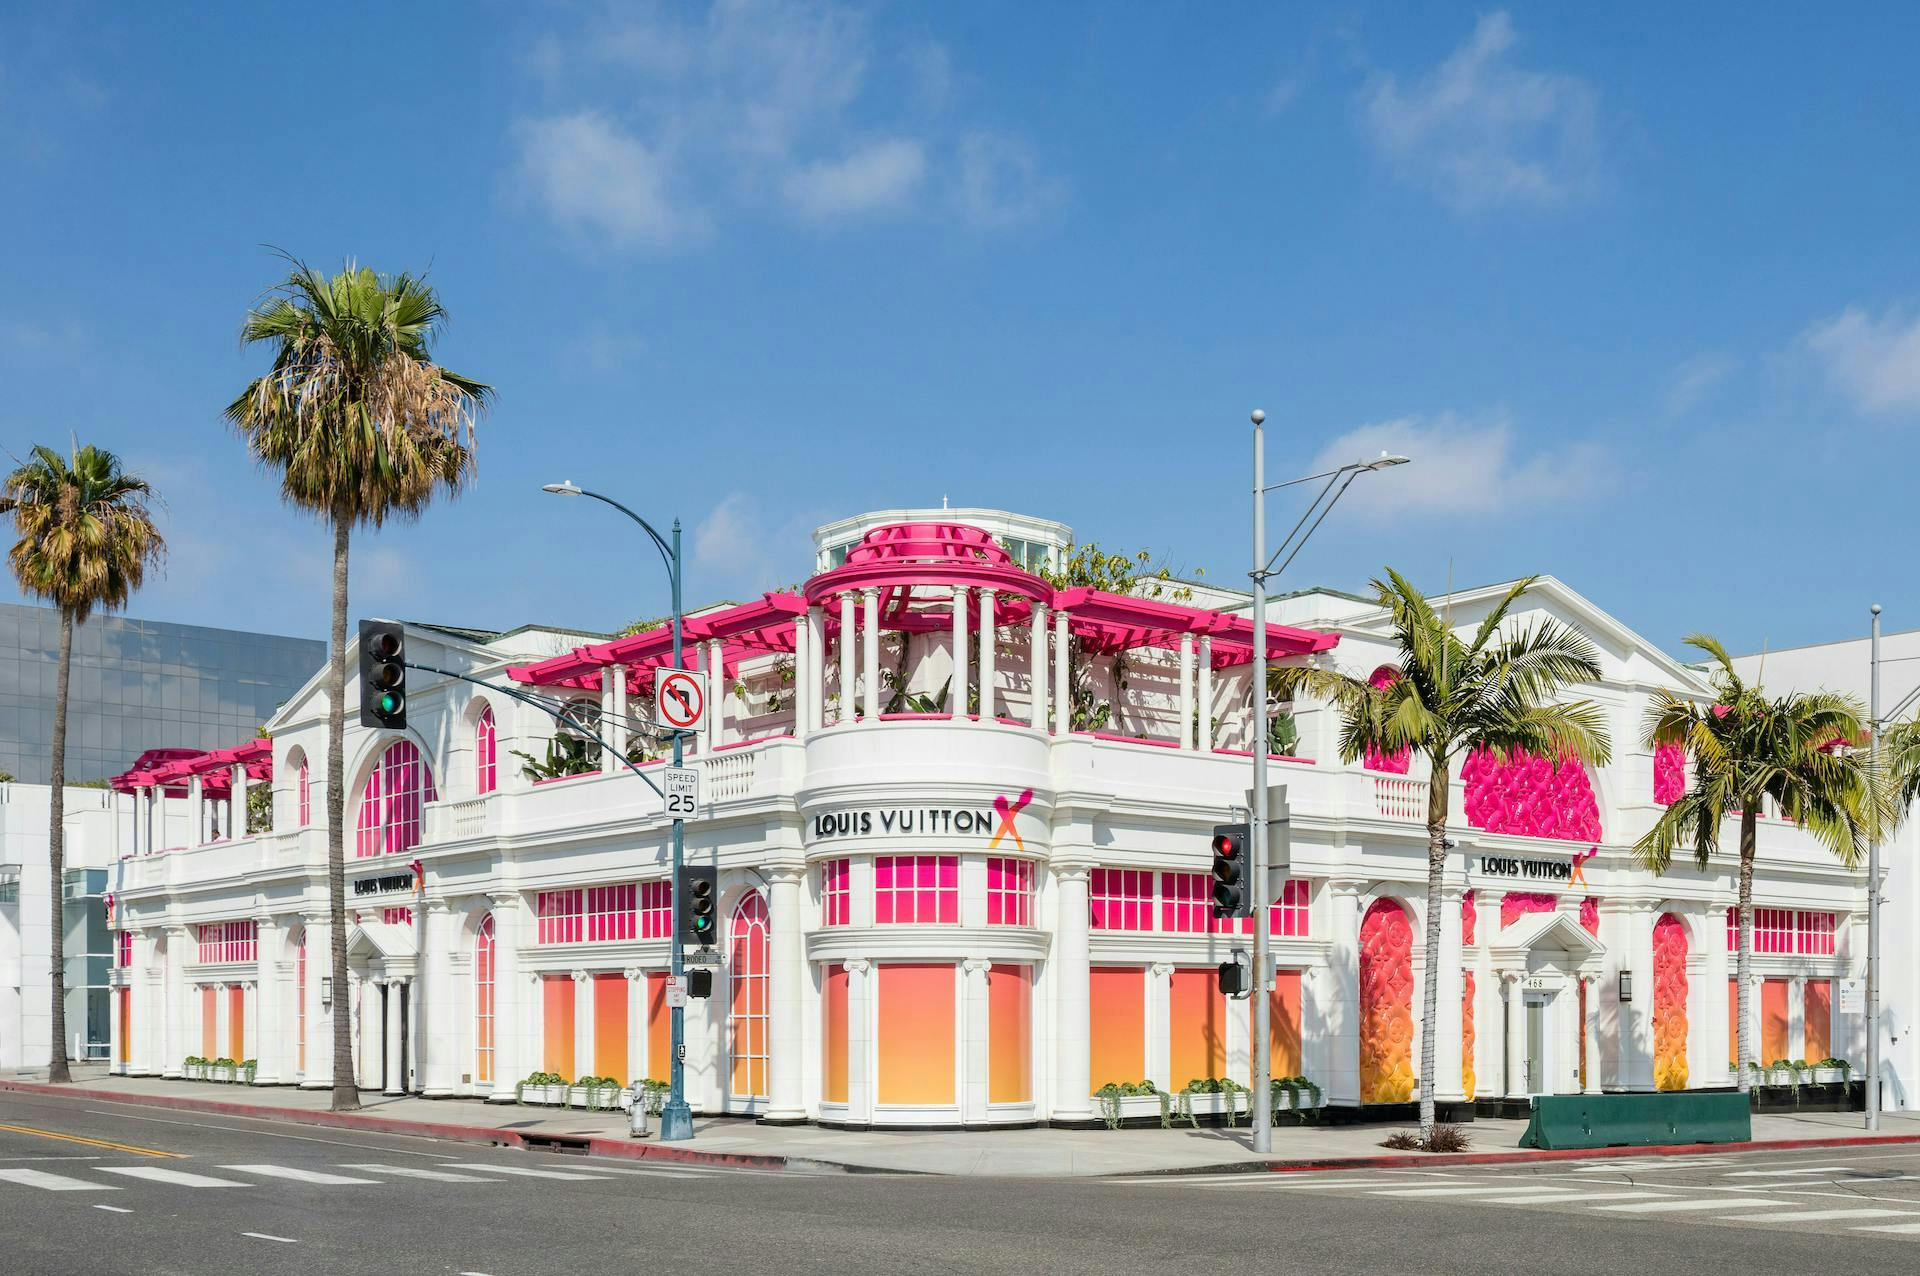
1539	1008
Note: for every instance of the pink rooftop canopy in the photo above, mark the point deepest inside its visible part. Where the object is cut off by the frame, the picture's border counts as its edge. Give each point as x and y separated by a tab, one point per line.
170	769
915	570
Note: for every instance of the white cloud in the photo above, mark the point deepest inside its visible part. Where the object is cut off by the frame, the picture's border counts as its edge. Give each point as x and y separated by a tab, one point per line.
1460	467
1694	379
1874	361
1481	132
593	178
1002	182
876	177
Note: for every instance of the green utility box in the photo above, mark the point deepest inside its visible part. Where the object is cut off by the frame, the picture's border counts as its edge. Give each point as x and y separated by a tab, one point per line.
1638	1120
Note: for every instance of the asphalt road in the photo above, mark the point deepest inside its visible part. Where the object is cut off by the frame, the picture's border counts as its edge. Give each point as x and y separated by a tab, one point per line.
93	1187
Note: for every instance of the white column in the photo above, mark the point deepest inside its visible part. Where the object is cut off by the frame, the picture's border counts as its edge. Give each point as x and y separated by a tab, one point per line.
787	978
509	995
1205	723
849	648
1159	1027
1516	1034
1037	679
198	834
223	1022
267	1036
636	977
1592	984
613	717
1714	1019
436	1001
1185	736
816	668
870	650
237	804
582	1023
178	998
802	660
1343	998
1448	1055
1062	688
989	653
1073	1088
976	1056
957	691
716	694
394	1040
859	1040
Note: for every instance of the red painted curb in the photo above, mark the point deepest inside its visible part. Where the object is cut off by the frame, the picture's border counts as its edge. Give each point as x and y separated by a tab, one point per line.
632	1151
1430	1159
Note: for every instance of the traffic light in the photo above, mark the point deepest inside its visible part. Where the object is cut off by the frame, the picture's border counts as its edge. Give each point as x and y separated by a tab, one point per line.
383	675
699	897
1230	868
1236	975
700	983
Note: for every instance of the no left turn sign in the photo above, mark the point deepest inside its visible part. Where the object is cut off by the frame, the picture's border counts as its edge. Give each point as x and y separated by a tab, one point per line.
679	701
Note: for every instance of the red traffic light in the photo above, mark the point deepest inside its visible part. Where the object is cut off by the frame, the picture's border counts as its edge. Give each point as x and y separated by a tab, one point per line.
1225	845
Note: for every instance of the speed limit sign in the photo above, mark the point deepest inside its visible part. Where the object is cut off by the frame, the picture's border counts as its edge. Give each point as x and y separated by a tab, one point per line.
681	790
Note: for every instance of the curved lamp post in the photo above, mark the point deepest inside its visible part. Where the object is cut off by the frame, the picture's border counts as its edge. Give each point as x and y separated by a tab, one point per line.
676	1118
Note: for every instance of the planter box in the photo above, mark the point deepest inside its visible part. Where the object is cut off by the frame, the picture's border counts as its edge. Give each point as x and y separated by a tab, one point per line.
554	1095
601	1098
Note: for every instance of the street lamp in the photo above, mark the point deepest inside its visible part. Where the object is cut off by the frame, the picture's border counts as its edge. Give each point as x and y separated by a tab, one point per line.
1337	482
676	1118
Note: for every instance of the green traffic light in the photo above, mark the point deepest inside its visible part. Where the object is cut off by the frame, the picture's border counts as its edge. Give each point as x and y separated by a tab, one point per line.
389	702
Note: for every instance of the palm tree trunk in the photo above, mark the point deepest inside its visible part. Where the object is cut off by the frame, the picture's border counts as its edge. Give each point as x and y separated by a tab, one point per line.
1437	787
346	1089
1743	957
57	862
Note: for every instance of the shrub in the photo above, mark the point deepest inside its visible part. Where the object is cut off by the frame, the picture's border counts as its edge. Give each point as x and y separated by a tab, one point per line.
1402	1141
1446	1138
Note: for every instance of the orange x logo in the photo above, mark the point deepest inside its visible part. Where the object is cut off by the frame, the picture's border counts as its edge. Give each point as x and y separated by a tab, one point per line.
1007	811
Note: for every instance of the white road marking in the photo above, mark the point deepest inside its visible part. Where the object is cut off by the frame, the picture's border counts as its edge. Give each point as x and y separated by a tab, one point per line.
1663	1207
50	1158
300	1176
1547	1194
262	1236
279	1134
1267	1184
155	1174
1508	1186
1613	1196
1817	1216
1818	1169
414	1172
52	1182
1902	1229
528	1172
113	1209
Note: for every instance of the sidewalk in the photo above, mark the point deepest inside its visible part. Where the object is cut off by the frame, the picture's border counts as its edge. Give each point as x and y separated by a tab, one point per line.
1014	1153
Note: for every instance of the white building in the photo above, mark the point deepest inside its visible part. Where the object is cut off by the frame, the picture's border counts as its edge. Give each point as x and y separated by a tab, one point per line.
962	882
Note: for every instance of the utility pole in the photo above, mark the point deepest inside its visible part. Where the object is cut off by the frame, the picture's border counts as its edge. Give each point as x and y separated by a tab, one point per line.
1262	1099
1873	887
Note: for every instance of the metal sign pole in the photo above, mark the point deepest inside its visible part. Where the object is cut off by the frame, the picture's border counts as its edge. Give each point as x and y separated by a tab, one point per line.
1262	1098
676	1119
1873	891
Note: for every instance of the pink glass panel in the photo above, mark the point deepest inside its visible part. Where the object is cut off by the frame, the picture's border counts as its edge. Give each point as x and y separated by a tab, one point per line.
1528	796
389	817
227	941
1394	763
1590	915
1009	892
482	1000
1669	773
916	889
836	892
559	916
485	747
747	987
1469	918
304	796
1121	899
1517	904
397	916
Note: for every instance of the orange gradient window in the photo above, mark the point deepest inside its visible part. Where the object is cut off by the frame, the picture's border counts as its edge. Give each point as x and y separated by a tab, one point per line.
610	1027
1773	1020
1196	1027
1117	1031
556	1024
1010	1034
916	1034
833	1034
1819	1016
659	1028
1283	1012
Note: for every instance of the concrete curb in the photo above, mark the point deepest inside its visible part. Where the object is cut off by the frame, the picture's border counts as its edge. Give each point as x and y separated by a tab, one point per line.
1436	1160
376	1124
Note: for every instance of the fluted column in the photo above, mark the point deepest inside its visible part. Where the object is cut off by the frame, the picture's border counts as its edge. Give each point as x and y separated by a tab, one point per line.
870	651
237	803
267	1040
849	649
1205	723
787	978
989	654
1516	1034
859	1080
802	661
1073	1087
613	718
957	691
1186	692
197	836
1062	674
395	1039
716	663
1037	678
435	1001
509	997
1592	983
816	668
975	1049
1345	896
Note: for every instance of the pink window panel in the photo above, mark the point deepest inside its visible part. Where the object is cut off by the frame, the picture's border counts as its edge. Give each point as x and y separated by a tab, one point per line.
485	753
1289	917
1669	773
1773	930
916	888
610	912
1186	907
123	949
1121	899
836	892
1733	929
1469	917
1517	904
1813	933
656	910
559	916
304	796
1394	763
1530	797
227	941
402	916
1009	892
389	818
1590	915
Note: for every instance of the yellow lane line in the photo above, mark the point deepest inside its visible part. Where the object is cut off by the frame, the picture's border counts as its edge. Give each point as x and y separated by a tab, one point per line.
92	1143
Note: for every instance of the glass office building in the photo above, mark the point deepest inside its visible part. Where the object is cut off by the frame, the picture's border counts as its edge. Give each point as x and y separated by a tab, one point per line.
137	684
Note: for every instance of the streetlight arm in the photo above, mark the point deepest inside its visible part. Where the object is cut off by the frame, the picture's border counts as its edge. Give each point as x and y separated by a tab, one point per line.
1302	542
659	542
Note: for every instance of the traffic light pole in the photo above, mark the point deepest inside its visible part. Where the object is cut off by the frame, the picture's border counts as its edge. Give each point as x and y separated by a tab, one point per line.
676	1118
1262	1098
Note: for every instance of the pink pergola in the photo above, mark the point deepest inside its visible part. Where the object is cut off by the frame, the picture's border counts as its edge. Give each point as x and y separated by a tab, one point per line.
170	769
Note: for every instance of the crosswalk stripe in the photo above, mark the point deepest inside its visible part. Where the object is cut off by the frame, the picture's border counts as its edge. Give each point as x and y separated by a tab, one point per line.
300	1176
1817	1216
530	1173
1623	1196
1446	1191
179	1178
1754	1174
1664	1207
415	1172
1529	1198
52	1182
1899	1229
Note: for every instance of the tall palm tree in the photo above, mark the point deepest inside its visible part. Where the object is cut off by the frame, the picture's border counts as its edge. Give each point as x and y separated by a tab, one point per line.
1456	696
362	426
1744	749
86	540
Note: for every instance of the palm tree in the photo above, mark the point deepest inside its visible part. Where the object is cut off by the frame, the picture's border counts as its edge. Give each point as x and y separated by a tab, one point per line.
1455	697
1745	749
86	540
362	426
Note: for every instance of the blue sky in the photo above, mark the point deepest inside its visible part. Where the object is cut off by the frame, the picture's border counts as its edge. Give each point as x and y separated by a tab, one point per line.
1636	286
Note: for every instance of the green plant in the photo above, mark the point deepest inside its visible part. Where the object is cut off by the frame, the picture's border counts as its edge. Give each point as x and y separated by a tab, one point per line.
1294	1088
536	1079
1402	1141
86	539
566	755
1498	689
1213	1085
1283	735
1445	1138
1846	1069
6	777
1110	1094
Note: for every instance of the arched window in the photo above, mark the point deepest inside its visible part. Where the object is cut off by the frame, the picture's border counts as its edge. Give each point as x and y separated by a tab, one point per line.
389	820
300	1000
302	796
747	963
483	1001
485	773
